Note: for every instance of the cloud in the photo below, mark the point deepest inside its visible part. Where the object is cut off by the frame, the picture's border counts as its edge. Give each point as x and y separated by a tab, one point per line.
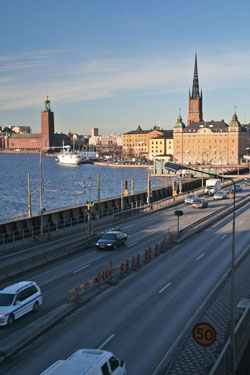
26	78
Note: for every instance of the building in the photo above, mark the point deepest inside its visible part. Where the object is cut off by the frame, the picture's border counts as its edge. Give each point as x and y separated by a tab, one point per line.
94	132
195	99
161	145
207	142
35	142
136	143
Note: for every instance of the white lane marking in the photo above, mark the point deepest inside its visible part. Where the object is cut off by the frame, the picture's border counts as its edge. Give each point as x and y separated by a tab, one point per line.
202	255
241	222
106	341
81	268
132	244
165	287
223	236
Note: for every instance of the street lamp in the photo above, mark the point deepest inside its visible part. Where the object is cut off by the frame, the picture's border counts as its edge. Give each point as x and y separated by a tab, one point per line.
41	187
173	167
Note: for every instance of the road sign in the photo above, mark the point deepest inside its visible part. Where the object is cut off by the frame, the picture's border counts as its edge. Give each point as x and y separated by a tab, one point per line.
178	213
230	195
204	334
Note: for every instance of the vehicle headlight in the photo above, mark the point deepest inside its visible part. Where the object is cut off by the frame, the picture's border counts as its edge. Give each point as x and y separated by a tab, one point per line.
2	316
109	244
97	244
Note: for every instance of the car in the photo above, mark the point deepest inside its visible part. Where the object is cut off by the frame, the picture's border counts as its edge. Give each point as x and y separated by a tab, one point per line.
17	300
190	198
200	203
111	240
247	181
220	194
238	187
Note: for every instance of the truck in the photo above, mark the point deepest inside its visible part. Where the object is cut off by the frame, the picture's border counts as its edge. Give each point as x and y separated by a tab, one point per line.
88	362
212	185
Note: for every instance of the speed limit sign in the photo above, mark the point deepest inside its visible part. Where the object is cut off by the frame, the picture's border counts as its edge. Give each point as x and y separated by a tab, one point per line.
204	334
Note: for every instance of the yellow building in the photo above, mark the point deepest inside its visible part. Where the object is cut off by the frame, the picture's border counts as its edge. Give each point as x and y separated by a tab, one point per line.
136	142
209	142
161	145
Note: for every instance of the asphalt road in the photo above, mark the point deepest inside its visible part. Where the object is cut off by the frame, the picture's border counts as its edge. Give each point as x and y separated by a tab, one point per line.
139	318
57	278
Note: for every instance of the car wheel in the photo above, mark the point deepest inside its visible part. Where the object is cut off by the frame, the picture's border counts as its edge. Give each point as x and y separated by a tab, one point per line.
125	242
11	320
36	307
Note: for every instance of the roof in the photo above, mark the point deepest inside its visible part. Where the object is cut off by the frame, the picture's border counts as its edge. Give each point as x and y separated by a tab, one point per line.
214	126
25	135
15	287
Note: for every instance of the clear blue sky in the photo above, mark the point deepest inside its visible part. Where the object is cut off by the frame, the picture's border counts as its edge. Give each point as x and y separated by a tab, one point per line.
115	64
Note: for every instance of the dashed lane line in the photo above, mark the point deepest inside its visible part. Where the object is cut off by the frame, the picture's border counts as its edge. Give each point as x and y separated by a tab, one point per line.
199	257
222	238
165	287
106	341
81	268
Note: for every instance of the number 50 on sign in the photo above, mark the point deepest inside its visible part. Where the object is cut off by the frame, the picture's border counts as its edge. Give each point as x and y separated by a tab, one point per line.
204	334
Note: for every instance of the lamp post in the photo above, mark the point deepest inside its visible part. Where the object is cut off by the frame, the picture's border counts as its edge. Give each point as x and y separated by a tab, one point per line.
175	168
41	187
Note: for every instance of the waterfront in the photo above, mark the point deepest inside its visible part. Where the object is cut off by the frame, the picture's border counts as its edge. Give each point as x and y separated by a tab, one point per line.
63	185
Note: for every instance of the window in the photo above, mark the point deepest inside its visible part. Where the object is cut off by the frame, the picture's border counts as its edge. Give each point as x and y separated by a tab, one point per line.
114	363
105	369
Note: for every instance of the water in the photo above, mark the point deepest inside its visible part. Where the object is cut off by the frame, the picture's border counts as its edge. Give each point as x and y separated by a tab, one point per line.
61	183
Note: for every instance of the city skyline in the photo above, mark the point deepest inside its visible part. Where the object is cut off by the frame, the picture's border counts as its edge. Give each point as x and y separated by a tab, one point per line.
115	66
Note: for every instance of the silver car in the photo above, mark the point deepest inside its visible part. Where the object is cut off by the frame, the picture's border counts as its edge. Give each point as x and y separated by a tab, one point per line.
220	194
191	198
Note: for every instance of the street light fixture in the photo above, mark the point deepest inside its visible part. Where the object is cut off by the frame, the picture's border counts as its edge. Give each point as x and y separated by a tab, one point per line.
173	167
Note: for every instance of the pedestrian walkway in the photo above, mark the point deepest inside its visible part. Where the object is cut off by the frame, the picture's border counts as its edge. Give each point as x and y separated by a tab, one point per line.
190	358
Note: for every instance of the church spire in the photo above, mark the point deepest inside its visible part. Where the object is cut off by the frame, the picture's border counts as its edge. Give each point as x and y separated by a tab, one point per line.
195	89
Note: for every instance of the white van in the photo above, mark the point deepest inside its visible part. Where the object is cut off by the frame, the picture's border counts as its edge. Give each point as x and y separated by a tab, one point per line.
17	300
88	362
212	186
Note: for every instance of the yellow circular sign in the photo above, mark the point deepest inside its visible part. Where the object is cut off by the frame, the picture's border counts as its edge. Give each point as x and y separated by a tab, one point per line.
230	195
204	334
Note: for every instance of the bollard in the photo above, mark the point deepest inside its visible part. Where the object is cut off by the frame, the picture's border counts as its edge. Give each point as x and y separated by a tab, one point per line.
149	253
146	256
99	277
122	270
133	263
156	253
138	260
127	266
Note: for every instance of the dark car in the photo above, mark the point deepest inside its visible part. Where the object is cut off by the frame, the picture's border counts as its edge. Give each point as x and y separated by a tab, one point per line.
200	203
111	240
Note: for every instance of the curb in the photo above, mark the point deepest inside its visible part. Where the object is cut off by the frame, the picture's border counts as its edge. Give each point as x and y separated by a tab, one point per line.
18	340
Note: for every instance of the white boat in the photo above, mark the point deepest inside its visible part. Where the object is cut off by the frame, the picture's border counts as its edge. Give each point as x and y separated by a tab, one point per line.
69	157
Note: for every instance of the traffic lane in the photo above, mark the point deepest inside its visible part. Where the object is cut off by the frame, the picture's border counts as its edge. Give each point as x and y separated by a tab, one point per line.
137	322
58	283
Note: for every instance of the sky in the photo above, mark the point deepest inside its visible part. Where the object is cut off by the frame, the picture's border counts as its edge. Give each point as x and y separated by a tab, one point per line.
117	64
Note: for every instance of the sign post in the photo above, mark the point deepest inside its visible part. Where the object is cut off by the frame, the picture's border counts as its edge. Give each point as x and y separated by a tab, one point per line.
205	335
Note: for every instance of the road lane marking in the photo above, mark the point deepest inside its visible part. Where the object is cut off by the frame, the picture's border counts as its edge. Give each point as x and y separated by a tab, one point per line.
132	244
202	255
81	268
241	222
223	236
165	287
106	341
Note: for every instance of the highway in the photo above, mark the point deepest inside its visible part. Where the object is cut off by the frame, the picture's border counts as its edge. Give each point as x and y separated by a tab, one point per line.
139	318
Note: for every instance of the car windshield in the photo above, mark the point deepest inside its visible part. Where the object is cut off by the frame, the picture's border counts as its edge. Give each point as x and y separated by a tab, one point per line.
109	236
198	201
6	299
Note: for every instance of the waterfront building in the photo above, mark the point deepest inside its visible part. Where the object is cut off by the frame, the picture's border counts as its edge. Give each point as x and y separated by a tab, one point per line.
195	98
10	141
136	142
207	142
161	145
